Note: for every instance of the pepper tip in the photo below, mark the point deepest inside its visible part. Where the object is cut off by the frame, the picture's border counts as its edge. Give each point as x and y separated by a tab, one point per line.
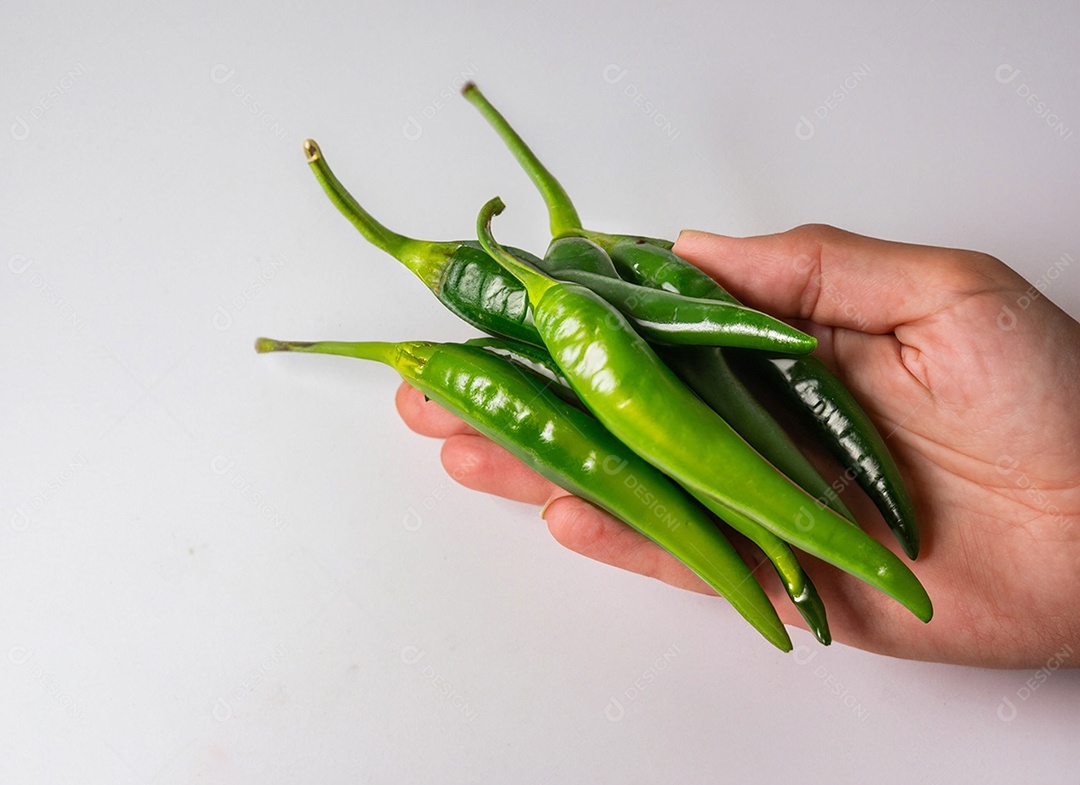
468	87
263	345
312	151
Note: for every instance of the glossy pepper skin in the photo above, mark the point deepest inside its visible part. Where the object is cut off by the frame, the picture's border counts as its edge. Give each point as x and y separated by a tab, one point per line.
643	404
668	318
829	406
531	358
570	448
579	260
648	262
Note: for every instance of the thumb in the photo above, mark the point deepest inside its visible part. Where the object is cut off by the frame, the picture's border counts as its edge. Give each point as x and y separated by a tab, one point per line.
837	278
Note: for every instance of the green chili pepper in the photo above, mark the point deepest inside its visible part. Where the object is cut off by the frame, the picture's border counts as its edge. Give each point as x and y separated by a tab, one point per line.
667	318
706	371
578	260
643	261
631	392
572	450
660	268
664	317
562	214
460	274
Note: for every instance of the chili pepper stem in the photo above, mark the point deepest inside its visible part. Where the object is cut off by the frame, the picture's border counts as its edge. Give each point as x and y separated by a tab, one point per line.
534	281
561	213
425	258
400	356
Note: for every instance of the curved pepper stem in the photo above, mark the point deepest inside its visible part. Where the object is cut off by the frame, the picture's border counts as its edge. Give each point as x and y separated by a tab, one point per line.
564	218
534	281
425	258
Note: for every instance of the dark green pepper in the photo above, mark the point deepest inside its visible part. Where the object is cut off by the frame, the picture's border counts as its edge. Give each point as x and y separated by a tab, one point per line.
460	274
831	408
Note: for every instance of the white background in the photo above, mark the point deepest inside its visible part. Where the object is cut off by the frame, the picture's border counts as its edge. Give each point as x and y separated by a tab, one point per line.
223	567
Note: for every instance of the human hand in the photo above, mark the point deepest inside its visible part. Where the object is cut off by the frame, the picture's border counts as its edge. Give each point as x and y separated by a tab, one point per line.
973	383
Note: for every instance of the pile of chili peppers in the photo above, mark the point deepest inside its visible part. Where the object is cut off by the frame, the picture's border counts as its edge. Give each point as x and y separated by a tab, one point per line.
616	370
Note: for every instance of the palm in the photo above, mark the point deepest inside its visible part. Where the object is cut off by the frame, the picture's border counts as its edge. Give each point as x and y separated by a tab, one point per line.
983	444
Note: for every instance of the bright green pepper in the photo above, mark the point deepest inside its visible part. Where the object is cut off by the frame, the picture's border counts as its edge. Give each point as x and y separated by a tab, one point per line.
570	448
630	391
578	260
849	433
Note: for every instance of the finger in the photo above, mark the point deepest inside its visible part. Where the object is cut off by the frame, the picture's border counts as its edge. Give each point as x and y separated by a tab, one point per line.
588	530
478	463
427	417
841	279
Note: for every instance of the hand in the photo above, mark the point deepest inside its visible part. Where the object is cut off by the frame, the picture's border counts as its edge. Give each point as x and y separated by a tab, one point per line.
973	381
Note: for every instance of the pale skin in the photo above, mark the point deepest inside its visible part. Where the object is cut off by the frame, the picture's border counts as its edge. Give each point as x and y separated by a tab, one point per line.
973	381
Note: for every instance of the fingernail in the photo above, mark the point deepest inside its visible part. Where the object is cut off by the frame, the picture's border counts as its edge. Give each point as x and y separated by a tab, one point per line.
548	503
